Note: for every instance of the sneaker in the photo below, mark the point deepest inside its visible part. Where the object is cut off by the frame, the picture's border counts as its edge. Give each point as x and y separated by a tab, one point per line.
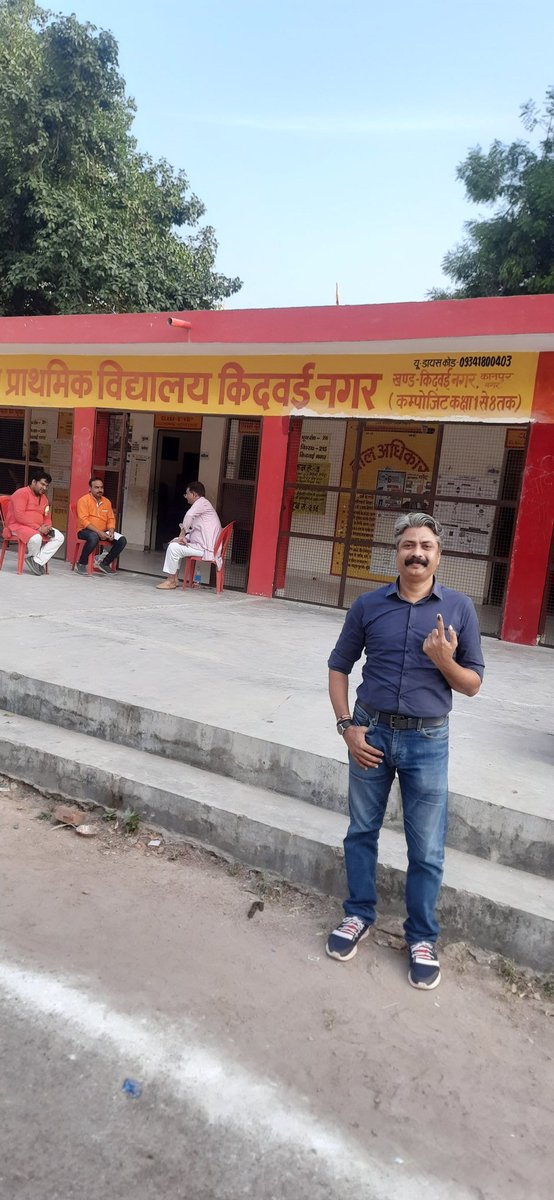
81	570
425	969
342	943
104	570
34	567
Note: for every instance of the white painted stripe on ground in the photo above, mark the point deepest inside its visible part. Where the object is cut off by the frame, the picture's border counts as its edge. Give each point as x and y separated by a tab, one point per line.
214	1084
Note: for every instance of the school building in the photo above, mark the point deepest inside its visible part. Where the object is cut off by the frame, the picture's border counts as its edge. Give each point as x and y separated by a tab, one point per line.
311	429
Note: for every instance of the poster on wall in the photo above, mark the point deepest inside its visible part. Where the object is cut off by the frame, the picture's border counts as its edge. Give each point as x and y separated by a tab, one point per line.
394	470
313	467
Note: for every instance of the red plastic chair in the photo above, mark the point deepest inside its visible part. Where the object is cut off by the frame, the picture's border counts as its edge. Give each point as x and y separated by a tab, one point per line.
220	549
79	543
12	537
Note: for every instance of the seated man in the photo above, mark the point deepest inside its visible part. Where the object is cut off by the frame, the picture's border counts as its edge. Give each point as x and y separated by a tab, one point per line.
200	530
95	521
28	518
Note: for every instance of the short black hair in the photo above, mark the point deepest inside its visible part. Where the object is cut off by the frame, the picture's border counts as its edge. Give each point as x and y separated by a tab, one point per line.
37	474
93	479
196	487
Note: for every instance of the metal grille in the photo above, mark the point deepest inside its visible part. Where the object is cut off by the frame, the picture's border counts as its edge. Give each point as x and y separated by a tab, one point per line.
42	438
546	623
347	481
237	495
12	453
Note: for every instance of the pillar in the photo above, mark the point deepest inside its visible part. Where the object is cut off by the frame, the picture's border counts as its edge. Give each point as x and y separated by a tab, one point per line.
81	466
295	436
532	537
269	497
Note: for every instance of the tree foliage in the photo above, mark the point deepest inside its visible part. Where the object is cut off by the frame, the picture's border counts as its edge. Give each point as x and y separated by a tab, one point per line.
512	252
87	222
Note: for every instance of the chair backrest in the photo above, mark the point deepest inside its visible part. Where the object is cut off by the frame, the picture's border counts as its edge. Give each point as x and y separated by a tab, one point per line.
223	540
73	508
4	501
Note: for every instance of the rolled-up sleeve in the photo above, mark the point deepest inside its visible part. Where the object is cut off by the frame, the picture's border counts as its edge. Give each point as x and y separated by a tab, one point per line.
351	641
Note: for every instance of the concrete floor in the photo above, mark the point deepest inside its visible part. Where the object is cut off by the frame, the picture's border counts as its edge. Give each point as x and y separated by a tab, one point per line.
268	1071
258	666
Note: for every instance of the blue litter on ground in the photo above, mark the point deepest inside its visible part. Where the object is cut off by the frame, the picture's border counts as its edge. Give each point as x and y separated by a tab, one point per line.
132	1087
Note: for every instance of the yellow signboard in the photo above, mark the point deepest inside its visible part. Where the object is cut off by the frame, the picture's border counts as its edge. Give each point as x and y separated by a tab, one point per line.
483	387
392	467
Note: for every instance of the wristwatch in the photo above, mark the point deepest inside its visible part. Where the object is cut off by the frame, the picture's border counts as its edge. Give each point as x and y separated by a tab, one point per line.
343	724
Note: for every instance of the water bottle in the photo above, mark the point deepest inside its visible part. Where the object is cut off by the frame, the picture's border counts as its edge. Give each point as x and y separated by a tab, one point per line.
197	578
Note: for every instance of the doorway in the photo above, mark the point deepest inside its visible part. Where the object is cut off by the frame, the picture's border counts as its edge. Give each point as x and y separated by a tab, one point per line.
177	458
237	494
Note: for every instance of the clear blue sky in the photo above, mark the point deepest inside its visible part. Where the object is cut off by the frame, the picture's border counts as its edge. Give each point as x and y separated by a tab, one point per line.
324	137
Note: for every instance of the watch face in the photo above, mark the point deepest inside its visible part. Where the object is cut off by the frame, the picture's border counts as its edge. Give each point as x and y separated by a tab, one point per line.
342	725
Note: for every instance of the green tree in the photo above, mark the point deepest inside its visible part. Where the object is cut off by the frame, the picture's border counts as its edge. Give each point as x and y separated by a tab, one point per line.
511	253
87	222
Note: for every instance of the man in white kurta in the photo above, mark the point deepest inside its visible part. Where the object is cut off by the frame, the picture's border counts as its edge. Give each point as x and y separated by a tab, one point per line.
199	532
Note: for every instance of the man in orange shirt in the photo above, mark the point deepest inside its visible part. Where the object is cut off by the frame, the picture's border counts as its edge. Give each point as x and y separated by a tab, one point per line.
29	516
96	520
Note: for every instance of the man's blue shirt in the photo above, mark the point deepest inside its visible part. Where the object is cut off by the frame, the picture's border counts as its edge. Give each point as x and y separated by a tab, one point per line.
397	676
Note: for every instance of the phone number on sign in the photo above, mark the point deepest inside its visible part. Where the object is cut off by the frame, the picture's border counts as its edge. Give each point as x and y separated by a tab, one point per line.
486	360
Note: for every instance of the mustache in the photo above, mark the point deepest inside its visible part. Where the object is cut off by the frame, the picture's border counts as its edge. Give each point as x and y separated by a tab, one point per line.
414	558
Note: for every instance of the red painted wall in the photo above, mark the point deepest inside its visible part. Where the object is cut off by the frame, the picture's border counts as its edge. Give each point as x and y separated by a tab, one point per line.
532	539
287	509
271	477
81	466
447	319
543	396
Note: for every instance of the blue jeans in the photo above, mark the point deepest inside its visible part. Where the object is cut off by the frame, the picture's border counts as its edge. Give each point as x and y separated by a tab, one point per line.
420	756
91	539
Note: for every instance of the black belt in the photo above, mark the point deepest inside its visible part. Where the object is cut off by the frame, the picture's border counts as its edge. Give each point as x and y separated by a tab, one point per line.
397	721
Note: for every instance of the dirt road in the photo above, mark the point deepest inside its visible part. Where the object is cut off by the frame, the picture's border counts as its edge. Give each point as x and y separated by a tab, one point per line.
267	1069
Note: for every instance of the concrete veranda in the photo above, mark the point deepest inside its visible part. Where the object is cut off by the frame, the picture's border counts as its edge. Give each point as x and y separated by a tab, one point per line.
258	667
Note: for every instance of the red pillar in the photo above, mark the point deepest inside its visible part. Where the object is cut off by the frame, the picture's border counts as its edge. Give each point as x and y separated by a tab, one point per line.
271	478
295	436
532	537
81	465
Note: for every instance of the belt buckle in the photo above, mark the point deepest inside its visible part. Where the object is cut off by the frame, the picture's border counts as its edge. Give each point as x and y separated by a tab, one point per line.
396	721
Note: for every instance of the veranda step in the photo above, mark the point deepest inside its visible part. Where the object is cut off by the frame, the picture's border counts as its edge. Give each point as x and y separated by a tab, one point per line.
496	907
502	832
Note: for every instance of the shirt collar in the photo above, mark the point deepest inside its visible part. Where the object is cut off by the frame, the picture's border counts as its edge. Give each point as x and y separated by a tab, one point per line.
436	590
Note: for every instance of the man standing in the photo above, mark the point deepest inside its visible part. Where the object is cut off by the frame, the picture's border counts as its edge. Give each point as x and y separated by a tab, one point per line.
96	520
28	518
200	530
421	642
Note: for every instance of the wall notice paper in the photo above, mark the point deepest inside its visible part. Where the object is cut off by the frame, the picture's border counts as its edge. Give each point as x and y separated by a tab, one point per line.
313	467
394	468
